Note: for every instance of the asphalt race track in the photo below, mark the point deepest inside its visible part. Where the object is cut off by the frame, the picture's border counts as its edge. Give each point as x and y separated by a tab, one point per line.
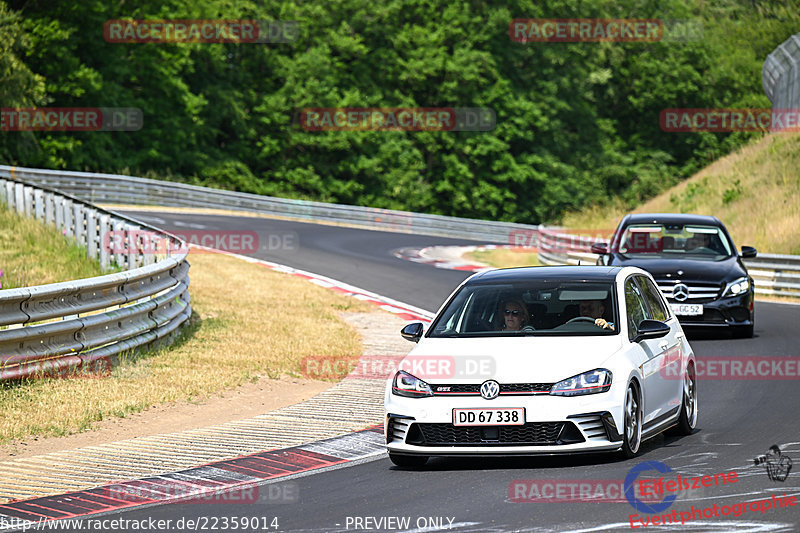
739	420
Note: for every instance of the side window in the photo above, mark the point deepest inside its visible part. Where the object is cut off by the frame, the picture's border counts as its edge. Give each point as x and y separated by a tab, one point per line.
635	306
657	311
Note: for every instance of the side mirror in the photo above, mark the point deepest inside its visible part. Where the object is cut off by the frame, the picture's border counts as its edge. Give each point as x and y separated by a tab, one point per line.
412	332
599	248
651	329
748	252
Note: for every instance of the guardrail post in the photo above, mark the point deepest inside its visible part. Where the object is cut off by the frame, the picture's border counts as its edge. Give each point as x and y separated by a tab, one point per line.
38	204
3	191
79	221
27	200
91	233
106	242
8	195
132	238
49	208
120	255
69	221
59	207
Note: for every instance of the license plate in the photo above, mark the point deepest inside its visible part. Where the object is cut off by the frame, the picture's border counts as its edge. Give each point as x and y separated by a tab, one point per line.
514	416
687	309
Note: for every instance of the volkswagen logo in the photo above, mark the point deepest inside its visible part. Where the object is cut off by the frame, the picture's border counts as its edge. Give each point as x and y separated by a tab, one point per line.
680	292
490	389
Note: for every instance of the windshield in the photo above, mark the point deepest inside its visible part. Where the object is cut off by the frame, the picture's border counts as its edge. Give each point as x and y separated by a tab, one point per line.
675	241
536	307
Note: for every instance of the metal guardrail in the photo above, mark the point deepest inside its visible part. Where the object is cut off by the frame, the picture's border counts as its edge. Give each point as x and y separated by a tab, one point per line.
780	74
773	274
110	188
87	323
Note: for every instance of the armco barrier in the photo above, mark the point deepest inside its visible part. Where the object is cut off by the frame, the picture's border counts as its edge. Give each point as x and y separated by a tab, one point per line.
773	274
109	188
65	326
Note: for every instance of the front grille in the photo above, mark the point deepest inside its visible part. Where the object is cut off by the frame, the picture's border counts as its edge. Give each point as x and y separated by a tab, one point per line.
474	389
525	388
699	291
539	433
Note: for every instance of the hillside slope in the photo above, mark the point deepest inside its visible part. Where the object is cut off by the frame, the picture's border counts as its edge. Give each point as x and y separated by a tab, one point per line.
755	191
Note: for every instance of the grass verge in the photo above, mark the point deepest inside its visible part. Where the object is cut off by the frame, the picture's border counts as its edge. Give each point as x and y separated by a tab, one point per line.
249	322
505	257
32	253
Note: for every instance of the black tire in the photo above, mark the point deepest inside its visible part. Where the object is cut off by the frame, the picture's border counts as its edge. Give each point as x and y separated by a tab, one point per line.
408	460
687	421
743	332
632	425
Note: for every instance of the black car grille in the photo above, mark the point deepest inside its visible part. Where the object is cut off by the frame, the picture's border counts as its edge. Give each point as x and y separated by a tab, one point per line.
539	433
473	389
699	291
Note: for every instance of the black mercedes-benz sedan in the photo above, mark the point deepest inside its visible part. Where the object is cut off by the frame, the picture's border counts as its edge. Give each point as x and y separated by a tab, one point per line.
694	262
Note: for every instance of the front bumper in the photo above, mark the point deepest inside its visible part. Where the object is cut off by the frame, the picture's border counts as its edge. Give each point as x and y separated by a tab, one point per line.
554	424
732	311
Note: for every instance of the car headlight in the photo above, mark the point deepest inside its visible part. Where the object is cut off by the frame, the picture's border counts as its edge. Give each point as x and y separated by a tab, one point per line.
736	287
591	382
404	384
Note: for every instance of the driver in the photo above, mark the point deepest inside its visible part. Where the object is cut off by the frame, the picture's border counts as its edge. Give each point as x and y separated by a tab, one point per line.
698	240
515	317
592	309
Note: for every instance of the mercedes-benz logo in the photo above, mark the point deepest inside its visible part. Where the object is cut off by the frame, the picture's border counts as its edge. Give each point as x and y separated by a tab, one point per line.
680	292
490	389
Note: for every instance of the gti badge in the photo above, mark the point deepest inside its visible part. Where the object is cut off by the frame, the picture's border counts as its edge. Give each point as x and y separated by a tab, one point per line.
490	389
680	292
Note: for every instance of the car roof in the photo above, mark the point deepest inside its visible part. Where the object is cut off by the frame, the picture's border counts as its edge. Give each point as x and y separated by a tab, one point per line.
671	218
554	273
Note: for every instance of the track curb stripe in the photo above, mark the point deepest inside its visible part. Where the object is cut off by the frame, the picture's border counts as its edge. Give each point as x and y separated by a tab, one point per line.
198	482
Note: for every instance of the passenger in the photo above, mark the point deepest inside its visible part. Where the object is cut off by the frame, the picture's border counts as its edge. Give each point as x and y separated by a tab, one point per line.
592	309
514	314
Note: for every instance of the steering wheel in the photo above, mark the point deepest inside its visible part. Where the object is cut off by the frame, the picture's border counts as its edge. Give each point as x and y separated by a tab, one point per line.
528	328
581	319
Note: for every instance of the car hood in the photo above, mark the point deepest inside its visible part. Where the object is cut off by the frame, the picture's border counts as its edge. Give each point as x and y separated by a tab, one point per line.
697	270
531	359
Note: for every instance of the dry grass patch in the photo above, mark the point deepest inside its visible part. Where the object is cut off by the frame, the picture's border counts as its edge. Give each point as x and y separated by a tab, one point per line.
754	191
32	253
249	322
505	257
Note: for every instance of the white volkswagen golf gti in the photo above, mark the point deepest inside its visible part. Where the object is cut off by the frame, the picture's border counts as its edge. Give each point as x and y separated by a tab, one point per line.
542	360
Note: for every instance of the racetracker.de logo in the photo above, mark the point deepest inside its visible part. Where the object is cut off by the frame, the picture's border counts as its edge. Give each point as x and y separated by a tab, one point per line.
571	490
139	491
728	120
200	31
398	119
585	30
385	366
145	242
731	367
71	119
